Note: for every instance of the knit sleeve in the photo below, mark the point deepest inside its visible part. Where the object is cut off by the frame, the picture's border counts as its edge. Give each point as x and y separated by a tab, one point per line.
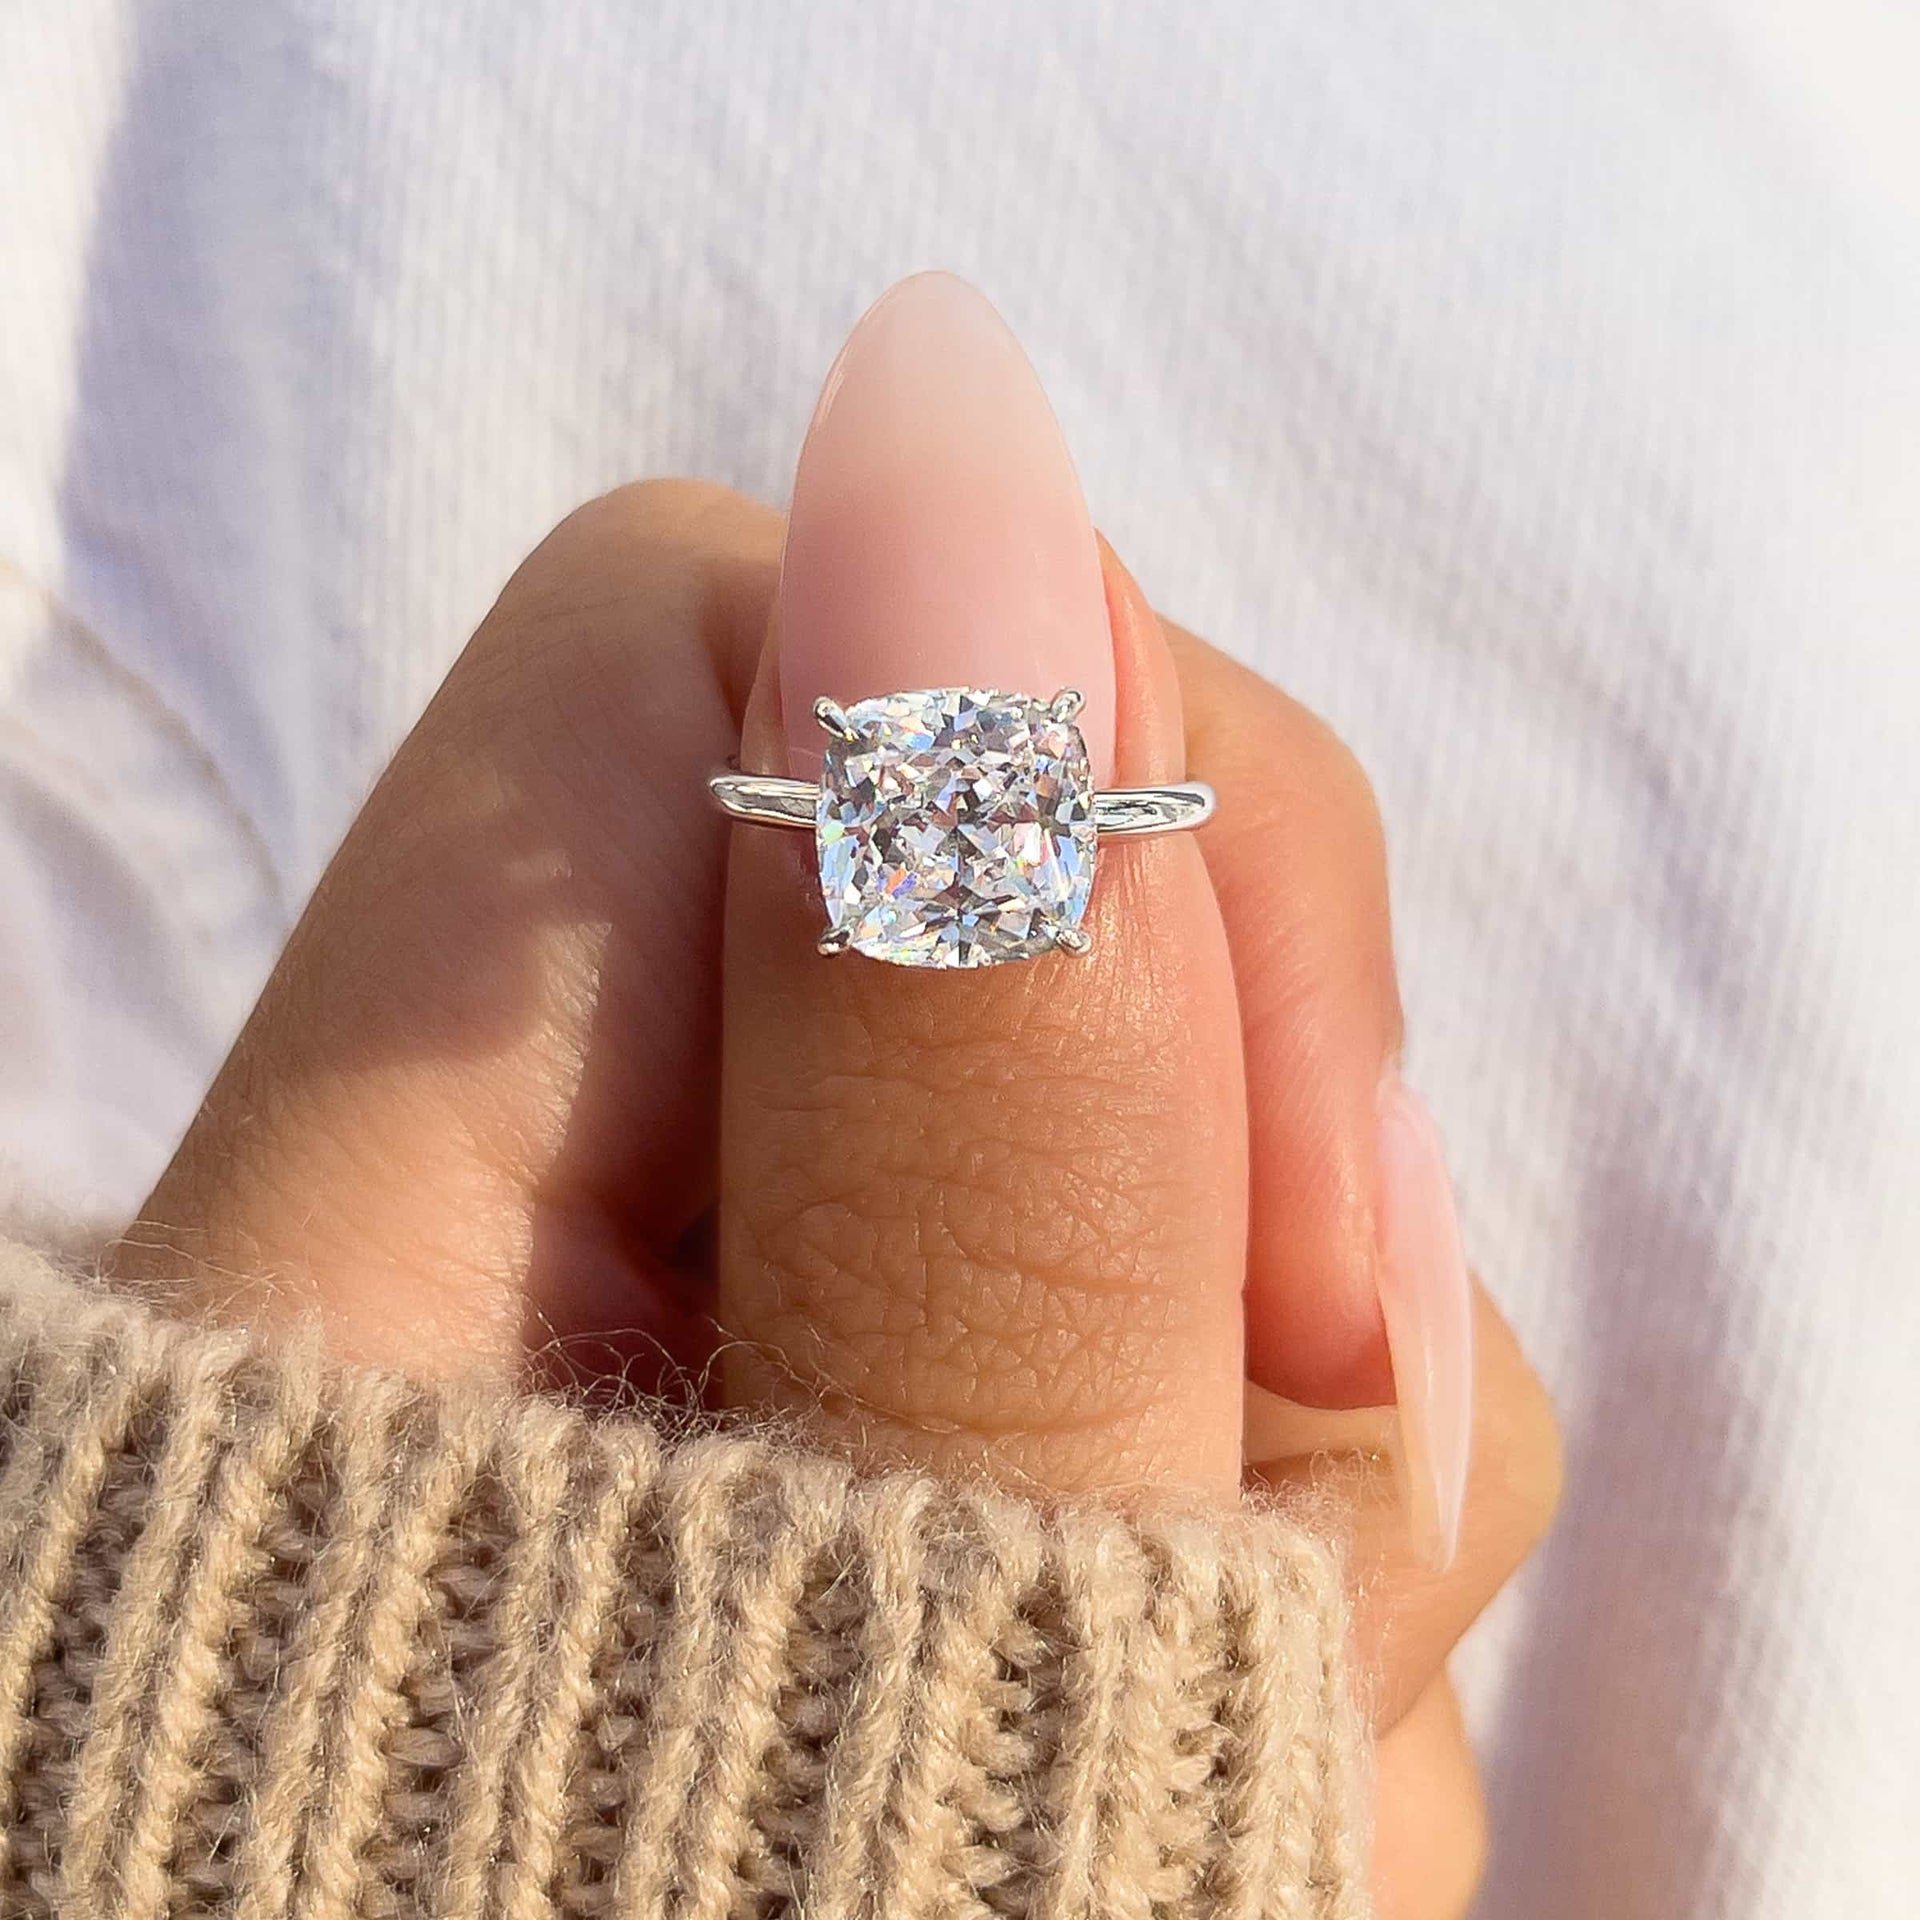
296	1642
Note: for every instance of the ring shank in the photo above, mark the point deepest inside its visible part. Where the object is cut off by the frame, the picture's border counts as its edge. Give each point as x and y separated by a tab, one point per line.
765	799
771	801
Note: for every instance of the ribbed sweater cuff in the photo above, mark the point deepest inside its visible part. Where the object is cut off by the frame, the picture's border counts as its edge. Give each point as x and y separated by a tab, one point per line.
280	1639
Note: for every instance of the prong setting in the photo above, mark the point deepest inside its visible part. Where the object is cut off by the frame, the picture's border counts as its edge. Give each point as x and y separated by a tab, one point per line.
956	826
833	717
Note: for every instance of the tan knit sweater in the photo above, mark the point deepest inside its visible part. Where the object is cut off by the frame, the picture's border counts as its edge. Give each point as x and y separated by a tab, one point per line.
281	1640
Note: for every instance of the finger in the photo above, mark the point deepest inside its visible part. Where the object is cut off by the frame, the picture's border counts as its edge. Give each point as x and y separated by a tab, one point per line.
988	1213
1297	860
496	1025
1408	1615
1357	1285
1430	1822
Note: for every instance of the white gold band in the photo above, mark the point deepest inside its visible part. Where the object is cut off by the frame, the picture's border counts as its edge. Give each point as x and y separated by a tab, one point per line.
771	801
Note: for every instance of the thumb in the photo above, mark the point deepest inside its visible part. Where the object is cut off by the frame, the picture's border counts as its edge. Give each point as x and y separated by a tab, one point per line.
990	1213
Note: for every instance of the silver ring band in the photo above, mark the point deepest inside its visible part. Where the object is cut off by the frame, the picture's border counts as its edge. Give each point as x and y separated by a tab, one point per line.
769	800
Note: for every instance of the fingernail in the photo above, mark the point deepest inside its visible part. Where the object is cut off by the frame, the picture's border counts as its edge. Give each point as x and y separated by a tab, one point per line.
1426	1300
937	535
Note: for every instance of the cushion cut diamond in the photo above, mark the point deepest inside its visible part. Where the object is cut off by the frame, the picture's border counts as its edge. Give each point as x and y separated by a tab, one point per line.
955	828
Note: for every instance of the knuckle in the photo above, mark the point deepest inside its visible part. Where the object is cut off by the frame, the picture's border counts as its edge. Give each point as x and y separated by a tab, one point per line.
637	617
1336	769
1240	725
691	520
657	541
1304	776
669	515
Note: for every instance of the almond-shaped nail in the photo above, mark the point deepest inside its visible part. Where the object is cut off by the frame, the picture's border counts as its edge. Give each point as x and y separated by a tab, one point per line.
1426	1300
937	535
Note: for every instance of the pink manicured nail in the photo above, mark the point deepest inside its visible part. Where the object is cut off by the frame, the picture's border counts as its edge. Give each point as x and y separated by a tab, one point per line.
1426	1300
937	536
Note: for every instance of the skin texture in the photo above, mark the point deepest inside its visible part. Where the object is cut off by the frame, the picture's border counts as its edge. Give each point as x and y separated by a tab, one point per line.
498	1027
999	1215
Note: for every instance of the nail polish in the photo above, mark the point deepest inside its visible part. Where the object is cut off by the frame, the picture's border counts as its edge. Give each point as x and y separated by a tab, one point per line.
937	535
1426	1300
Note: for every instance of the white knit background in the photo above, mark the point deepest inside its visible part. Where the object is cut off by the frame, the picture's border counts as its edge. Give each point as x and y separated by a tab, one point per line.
1536	390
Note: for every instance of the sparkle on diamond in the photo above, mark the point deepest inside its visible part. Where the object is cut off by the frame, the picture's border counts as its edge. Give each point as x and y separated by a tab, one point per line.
957	829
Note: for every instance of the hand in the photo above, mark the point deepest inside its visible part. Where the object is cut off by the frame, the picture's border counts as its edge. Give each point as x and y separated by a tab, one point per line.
1045	1218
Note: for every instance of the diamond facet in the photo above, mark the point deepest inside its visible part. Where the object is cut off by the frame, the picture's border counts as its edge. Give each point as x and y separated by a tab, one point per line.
955	828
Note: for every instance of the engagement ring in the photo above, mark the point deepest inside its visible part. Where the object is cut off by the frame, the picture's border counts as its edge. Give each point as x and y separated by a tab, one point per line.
956	827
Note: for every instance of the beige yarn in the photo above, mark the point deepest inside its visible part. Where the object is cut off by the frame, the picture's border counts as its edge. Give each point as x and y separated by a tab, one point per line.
290	1642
